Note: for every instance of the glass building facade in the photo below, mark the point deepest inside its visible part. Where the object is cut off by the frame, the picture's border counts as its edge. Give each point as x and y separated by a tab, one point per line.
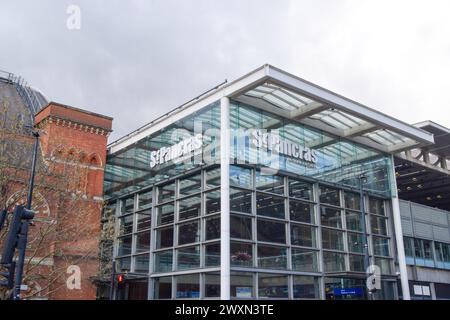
296	222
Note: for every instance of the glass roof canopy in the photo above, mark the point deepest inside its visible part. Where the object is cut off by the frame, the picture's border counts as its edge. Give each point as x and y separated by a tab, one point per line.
279	92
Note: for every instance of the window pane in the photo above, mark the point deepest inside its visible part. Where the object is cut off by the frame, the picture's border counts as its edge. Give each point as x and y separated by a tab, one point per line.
271	231
333	261
330	217
304	260
145	199
141	263
306	287
166	192
212	228
165	214
302	212
352	200
212	285
381	246
241	254
188	233
144	220
376	206
188	286
212	178
123	264
356	263
300	189
127	205
272	286
270	206
384	265
304	236
240	201
329	196
212	255
212	202
143	242
355	242
269	183
271	257
378	225
332	239
163	261
190	185
164	237
124	246
241	177
163	288
125	224
241	285
189	207
240	227
188	258
353	220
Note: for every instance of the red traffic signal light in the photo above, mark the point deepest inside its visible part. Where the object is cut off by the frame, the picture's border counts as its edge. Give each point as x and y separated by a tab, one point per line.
120	278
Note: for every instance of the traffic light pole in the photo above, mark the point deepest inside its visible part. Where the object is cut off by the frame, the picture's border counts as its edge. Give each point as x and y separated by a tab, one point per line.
363	226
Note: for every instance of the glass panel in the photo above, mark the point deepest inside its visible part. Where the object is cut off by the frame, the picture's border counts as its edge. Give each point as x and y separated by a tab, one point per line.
271	257
376	206
384	265
329	196
378	225
270	231
190	207
306	287
164	237
270	206
304	236
272	285
145	199
301	212
212	202
124	246
123	264
163	261
240	201
188	233
125	225
352	200
212	255
163	288
127	205
353	220
212	228
241	254
190	185
300	189
409	250
166	192
304	260
269	183
212	285
241	285
144	220
141	263
188	286
333	261
165	214
332	239
355	242
143	242
330	217
380	246
212	178
188	258
240	227
241	177
356	263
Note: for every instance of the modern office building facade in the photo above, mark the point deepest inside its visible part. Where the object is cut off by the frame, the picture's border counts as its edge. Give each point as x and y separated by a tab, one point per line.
253	191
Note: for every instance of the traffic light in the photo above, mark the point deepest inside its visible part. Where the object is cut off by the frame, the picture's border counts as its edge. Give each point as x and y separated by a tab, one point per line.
120	279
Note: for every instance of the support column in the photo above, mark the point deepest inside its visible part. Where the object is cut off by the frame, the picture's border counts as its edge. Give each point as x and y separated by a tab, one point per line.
225	198
399	236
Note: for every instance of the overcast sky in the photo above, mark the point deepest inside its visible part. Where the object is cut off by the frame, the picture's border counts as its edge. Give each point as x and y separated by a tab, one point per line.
135	60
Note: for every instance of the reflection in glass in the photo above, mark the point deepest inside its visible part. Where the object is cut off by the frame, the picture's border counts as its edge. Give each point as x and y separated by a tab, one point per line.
353	220
188	286
271	257
213	228
355	242
124	246
270	206
188	233
332	239
301	212
188	258
241	177
163	288
376	206
127	205
241	285
163	261
144	220
190	185
378	225
166	192
165	214
352	200
241	254
240	201
141	263
302	235
272	285
304	260
143	241
333	261
164	237
306	287
380	246
329	196
212	178
125	224
189	207
123	264
300	189
240	227
271	231
330	217
269	183
145	199
212	285
212	255
356	263
212	202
